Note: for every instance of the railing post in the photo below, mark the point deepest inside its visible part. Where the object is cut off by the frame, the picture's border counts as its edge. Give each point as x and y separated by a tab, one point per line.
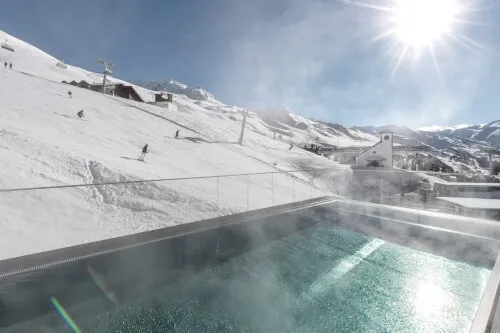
218	208
272	189
248	191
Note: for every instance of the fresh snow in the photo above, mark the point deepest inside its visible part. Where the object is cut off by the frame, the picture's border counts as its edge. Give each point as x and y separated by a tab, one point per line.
175	87
43	143
437	128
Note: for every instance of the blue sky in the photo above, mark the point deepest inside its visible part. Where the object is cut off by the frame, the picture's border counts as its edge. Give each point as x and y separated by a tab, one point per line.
317	57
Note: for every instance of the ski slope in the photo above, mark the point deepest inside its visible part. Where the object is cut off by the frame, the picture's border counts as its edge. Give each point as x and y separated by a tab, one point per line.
44	143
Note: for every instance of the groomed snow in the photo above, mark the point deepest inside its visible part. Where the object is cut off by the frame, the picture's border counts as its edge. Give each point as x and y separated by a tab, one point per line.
437	128
43	143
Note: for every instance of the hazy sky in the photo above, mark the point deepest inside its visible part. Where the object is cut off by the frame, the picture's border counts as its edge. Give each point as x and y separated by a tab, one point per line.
320	58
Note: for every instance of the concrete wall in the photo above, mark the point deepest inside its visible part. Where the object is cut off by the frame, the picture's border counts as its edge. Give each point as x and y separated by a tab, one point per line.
361	175
443	190
447	207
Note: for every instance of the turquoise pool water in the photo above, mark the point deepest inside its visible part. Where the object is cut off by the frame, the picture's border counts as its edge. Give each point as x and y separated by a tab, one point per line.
321	279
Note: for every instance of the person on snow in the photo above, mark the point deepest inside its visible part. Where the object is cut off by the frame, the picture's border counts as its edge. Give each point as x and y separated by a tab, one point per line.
291	146
70	93
10	65
5	64
80	114
144	152
177	134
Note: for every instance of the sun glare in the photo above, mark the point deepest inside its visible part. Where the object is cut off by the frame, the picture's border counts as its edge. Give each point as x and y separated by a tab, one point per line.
419	23
415	28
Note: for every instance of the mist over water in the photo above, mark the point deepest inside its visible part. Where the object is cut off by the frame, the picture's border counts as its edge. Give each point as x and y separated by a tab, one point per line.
317	280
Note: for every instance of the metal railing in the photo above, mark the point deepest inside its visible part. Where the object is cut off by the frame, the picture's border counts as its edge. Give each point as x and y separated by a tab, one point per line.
40	218
291	172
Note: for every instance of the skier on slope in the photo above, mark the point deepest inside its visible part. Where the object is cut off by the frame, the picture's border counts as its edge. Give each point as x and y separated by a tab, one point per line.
70	93
144	152
80	114
177	134
5	64
10	65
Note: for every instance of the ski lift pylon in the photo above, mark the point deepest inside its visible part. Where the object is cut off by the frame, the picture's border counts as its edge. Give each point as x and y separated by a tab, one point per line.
108	66
6	46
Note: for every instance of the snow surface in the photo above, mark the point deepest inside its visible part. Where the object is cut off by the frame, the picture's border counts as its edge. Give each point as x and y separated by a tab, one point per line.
175	87
437	128
43	143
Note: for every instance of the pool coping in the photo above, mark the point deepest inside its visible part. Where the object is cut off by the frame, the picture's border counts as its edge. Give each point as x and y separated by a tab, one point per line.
60	256
487	317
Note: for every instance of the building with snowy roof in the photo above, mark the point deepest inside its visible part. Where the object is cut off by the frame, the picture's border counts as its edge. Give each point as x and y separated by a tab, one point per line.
378	156
163	97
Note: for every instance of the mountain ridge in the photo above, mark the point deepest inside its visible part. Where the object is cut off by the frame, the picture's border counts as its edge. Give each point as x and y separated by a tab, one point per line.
281	122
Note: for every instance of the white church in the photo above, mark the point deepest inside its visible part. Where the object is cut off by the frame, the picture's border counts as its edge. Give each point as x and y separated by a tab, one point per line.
378	156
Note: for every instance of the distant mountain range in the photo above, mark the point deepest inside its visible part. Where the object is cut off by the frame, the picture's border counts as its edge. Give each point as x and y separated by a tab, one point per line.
460	146
483	135
175	87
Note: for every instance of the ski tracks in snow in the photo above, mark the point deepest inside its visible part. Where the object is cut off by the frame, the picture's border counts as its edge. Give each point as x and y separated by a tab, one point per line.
89	179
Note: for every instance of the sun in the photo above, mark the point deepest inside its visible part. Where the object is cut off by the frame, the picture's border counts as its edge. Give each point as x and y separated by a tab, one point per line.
419	23
415	28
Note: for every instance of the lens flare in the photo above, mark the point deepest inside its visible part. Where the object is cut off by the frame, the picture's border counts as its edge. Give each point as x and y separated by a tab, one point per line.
419	23
62	312
415	28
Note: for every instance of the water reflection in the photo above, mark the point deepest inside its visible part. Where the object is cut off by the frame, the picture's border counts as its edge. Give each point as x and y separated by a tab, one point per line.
429	300
321	279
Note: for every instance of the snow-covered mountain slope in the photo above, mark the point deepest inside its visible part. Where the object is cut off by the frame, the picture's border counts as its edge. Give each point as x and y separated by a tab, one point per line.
301	130
488	133
292	127
44	143
437	128
30	60
195	93
458	148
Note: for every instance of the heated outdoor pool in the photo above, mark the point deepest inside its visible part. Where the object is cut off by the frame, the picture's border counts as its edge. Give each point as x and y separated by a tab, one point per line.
318	279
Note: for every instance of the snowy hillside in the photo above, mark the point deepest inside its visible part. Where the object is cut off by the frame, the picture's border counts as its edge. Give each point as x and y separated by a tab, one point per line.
44	143
175	87
488	133
460	147
437	128
302	130
30	60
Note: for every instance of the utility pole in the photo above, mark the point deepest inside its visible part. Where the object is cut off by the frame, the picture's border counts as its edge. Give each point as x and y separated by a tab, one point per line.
108	70
243	127
490	158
